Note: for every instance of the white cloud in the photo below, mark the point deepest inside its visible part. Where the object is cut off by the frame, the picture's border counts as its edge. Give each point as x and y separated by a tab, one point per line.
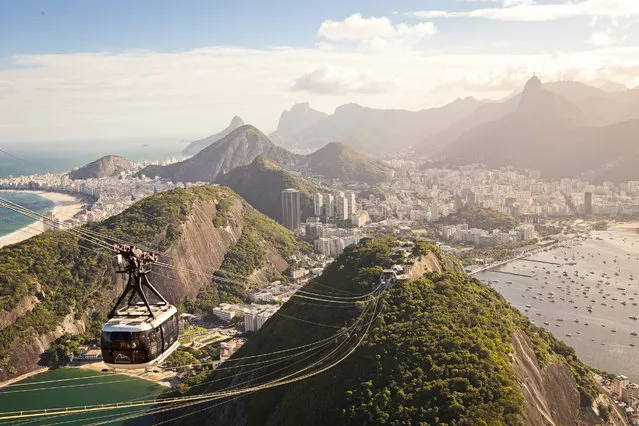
195	93
375	33
599	38
331	80
530	10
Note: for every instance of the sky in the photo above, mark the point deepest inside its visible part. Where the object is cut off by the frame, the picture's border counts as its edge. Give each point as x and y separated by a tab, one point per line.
81	70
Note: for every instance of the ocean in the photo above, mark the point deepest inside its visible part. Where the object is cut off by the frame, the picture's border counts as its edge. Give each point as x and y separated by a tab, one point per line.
604	278
11	221
75	387
20	159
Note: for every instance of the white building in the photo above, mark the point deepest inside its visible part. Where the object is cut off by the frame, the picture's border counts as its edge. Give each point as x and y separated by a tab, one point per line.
360	219
318	204
619	383
341	207
224	311
329	205
352	202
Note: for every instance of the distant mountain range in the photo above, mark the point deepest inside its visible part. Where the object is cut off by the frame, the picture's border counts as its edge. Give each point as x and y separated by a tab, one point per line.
244	144
197	146
261	183
109	165
560	135
366	129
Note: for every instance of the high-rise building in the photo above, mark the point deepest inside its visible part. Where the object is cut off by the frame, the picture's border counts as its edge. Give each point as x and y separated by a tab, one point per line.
318	204
291	210
341	207
329	205
588	203
352	203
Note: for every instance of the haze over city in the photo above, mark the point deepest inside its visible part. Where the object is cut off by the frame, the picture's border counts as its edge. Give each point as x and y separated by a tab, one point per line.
72	70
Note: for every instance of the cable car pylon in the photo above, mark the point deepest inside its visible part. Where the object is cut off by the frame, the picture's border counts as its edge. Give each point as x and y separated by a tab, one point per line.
134	263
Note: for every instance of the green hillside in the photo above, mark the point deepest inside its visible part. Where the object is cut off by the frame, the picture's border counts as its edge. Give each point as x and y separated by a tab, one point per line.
338	161
261	183
482	218
438	352
76	276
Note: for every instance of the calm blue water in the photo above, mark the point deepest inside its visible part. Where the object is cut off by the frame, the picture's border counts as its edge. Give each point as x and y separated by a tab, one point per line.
56	157
11	221
69	387
604	278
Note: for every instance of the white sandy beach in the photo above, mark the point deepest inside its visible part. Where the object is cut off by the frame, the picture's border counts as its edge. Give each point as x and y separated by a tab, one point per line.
66	206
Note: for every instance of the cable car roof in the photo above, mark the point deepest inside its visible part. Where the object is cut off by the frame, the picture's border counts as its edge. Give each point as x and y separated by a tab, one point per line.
138	319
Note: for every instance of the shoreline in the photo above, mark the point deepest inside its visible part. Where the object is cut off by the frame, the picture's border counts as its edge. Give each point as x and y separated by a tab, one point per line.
65	206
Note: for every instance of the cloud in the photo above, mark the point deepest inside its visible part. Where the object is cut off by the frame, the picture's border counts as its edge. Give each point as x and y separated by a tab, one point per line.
530	10
600	39
194	93
375	33
330	80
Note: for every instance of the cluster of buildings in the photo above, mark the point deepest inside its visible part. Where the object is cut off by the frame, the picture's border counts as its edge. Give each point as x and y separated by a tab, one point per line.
626	391
109	195
419	194
341	206
264	303
481	238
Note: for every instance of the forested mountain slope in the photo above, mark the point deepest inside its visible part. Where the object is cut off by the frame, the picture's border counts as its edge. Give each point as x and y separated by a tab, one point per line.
54	283
441	349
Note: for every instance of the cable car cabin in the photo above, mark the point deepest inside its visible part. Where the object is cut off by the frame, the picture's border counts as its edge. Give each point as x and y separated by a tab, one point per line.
133	339
387	278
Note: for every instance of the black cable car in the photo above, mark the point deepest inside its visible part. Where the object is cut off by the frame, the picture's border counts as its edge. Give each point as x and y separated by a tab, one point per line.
140	334
387	278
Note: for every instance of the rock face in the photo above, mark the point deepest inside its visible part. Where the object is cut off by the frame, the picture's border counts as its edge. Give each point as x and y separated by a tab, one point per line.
197	229
198	145
238	148
109	165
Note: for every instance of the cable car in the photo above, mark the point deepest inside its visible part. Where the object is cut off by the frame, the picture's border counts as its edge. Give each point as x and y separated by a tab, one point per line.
387	278
138	334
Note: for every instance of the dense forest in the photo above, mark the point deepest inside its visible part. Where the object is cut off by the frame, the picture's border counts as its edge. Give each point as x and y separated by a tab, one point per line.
438	352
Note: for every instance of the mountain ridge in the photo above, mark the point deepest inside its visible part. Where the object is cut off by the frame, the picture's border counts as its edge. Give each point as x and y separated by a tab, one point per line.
198	145
238	148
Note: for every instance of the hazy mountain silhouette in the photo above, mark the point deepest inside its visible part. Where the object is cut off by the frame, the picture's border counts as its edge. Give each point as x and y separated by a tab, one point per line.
198	145
370	130
546	132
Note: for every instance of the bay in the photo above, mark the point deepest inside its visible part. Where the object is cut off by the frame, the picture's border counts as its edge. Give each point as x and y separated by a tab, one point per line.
604	277
68	387
11	221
